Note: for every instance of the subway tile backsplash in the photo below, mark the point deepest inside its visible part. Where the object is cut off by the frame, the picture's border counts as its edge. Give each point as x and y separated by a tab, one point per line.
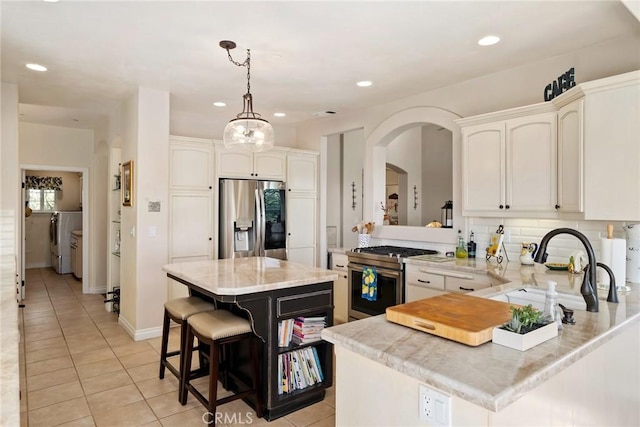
519	230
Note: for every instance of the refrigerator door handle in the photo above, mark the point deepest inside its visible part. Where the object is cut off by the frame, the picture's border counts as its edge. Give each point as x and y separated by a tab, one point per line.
258	243
263	225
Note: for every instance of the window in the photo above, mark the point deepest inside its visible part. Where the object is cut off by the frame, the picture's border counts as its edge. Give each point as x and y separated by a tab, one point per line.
41	200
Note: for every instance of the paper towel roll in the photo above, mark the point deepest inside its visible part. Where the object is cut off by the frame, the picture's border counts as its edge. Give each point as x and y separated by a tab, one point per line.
614	254
633	260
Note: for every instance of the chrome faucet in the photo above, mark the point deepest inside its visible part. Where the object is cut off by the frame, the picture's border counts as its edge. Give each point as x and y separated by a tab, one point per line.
589	290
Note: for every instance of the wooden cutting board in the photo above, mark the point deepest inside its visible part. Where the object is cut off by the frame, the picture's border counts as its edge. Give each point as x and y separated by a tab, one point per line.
462	318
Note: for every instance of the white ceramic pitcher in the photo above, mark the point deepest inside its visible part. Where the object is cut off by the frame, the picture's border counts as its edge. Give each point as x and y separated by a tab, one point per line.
527	252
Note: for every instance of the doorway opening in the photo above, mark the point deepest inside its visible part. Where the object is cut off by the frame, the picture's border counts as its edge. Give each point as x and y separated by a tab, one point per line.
55	245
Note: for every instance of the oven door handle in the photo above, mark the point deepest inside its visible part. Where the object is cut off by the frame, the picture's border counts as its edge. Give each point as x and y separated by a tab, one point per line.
379	270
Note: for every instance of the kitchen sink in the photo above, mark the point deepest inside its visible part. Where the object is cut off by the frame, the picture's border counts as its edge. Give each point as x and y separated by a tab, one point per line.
536	297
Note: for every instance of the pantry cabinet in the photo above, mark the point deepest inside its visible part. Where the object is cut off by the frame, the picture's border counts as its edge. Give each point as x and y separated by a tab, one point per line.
510	165
191	204
269	165
302	207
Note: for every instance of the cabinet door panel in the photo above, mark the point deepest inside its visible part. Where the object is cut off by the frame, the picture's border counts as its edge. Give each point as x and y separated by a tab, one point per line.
190	167
269	166
302	172
483	167
304	256
233	164
531	163
570	157
190	225
301	218
340	298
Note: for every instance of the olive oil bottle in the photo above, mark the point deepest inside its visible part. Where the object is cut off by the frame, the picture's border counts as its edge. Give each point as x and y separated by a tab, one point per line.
461	249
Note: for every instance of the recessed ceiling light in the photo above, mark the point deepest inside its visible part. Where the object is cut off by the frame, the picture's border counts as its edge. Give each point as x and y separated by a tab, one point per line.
36	67
364	83
219	104
279	114
488	40
51	1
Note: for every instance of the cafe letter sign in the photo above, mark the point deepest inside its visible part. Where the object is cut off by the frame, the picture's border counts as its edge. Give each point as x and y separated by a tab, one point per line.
564	82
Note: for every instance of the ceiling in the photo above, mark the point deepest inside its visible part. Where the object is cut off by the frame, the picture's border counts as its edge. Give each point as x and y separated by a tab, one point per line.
306	56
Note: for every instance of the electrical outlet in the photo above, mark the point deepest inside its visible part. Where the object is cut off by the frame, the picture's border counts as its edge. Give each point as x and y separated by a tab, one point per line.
435	407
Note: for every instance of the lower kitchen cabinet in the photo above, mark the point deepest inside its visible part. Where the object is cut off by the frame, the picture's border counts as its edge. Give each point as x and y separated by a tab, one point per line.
426	282
339	263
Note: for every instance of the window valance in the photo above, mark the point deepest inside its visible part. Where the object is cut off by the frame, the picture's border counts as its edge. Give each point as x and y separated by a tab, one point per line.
44	183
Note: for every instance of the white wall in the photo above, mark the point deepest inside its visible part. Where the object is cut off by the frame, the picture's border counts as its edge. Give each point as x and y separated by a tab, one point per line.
145	141
352	161
71	148
405	152
506	89
437	175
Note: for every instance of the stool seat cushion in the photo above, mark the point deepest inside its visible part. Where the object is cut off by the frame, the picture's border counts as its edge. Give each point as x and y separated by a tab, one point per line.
219	324
182	308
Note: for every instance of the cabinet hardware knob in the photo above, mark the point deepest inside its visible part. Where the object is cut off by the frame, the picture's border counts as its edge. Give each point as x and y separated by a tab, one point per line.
557	206
210	238
501	206
210	187
507	207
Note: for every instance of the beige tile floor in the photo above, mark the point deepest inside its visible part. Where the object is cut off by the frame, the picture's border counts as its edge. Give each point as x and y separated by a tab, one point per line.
78	367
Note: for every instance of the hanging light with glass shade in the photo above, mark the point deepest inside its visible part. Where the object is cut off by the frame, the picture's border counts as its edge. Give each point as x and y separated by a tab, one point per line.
247	131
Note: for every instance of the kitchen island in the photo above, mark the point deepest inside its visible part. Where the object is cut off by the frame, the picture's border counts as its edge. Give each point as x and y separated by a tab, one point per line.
588	375
268	291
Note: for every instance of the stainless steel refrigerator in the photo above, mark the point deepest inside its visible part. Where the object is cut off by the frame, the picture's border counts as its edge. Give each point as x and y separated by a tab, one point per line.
252	219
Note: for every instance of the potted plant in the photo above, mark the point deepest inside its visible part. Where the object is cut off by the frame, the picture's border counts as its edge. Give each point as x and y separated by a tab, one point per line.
528	327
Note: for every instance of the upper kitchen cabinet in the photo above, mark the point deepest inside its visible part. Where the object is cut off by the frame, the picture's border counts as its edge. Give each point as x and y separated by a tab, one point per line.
509	162
571	157
612	148
190	164
270	165
302	171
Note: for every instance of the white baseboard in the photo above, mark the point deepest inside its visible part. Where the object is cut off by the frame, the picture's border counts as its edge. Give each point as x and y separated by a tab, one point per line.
37	265
140	334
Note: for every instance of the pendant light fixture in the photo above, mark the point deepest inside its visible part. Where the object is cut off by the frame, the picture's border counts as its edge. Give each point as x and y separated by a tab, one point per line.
247	131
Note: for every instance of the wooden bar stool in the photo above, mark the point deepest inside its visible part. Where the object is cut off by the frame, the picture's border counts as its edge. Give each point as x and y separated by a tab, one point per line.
179	310
218	329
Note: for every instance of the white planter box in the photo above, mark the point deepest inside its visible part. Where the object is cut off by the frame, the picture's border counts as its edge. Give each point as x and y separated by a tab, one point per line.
526	341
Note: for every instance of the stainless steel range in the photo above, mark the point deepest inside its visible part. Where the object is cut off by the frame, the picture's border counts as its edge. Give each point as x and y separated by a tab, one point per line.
388	262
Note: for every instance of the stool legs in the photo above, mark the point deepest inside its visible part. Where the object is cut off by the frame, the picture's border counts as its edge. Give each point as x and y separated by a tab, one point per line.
215	347
165	343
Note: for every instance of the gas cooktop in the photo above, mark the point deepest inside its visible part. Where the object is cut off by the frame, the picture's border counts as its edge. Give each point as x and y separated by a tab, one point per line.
394	251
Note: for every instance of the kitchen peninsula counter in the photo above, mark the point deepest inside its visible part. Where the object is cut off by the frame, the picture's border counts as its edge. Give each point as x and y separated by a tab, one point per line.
583	376
268	291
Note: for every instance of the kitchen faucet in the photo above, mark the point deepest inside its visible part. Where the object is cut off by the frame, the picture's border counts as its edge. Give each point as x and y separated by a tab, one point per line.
589	290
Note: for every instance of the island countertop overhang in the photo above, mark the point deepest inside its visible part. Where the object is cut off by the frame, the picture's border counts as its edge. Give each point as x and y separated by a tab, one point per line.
242	276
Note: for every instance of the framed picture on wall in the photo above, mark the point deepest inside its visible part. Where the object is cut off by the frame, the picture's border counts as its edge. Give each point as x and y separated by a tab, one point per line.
127	183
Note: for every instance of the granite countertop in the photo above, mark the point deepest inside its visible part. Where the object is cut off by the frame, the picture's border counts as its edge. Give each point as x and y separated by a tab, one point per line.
241	276
490	375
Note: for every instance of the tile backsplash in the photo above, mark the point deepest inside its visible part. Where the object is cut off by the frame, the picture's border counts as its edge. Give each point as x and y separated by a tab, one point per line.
519	230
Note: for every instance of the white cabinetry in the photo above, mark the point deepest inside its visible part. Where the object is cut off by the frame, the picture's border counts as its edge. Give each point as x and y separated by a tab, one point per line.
510	165
339	263
570	157
302	207
425	282
612	148
191	203
270	165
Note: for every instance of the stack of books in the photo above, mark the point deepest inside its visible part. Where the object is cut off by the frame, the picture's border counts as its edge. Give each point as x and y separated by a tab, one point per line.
307	329
285	332
299	369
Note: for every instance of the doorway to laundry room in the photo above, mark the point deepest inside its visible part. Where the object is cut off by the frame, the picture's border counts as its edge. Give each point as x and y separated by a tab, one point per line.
54	224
